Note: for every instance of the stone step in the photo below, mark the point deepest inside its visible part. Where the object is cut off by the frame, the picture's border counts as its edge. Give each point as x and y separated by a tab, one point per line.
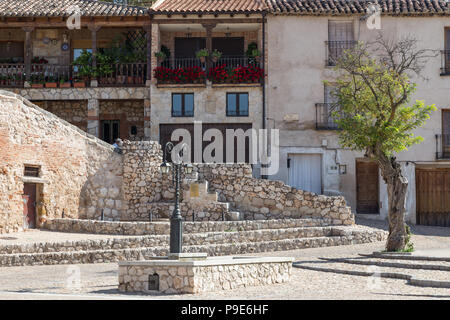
114	255
160	228
418	277
204	238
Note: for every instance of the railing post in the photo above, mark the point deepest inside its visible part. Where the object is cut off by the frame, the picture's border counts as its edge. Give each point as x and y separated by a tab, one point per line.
148	36
94	29
28	53
209	27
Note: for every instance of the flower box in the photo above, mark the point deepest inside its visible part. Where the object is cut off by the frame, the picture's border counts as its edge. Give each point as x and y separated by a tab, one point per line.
79	85
51	85
65	85
37	85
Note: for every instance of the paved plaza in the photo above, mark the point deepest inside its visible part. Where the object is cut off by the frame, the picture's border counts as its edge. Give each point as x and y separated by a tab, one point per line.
99	281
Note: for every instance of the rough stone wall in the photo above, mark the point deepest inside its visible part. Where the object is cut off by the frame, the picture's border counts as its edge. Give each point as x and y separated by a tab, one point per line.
70	162
74	112
129	112
196	279
268	199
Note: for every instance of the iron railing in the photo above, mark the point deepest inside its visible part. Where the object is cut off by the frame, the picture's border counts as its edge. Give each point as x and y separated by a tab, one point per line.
443	146
335	50
445	62
324	116
175	63
12	75
123	74
227	61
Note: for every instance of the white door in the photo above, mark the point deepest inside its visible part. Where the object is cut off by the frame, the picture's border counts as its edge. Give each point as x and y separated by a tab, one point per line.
305	172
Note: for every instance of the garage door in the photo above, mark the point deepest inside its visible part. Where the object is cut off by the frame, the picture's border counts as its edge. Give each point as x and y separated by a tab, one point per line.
433	197
305	172
167	129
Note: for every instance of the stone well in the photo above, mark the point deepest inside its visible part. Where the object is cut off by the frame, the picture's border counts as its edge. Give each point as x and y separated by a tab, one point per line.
202	274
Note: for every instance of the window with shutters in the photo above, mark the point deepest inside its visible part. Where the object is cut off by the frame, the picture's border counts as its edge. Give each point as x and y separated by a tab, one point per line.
340	38
445	70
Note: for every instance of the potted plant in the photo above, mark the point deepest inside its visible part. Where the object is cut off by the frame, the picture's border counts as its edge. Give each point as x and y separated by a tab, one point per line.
202	55
161	56
37	81
83	67
79	83
256	54
51	82
64	83
216	55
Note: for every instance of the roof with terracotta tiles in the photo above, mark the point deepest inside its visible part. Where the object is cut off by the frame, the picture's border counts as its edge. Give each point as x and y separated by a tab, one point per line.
58	8
337	7
208	6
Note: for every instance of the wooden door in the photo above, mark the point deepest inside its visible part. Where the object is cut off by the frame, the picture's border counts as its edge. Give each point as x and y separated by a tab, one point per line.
165	135
433	197
367	187
29	199
305	172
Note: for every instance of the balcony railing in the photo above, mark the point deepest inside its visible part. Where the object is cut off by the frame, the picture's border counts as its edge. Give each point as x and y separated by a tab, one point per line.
12	75
443	146
335	50
445	62
227	69
123	74
324	116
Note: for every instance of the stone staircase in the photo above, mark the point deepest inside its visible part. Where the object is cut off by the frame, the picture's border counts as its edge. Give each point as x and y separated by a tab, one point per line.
416	270
214	238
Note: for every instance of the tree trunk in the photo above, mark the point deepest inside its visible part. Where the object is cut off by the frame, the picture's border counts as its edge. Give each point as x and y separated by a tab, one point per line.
397	186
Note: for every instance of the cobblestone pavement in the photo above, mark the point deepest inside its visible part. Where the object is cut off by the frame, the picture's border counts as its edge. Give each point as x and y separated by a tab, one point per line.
99	281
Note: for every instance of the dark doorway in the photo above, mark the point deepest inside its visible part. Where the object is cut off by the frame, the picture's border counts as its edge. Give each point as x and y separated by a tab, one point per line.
29	205
229	46
110	130
187	47
367	187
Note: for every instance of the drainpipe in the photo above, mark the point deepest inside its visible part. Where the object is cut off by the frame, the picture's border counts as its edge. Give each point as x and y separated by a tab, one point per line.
264	78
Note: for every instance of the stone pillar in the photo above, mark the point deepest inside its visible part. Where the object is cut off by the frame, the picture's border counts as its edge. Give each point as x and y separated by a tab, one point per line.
147	110
28	54
154	48
93	122
148	36
94	29
209	27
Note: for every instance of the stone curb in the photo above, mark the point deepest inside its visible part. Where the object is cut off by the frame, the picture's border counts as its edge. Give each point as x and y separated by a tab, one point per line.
409	279
404	257
101	256
390	264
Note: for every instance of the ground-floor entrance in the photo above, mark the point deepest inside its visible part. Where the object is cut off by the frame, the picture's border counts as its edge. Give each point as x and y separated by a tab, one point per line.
305	172
367	187
433	196
166	131
29	205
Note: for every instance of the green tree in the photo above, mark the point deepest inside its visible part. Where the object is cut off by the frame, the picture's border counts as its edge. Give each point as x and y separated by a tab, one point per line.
376	116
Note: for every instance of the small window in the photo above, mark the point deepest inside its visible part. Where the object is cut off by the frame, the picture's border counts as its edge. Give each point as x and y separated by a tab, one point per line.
237	104
182	104
31	172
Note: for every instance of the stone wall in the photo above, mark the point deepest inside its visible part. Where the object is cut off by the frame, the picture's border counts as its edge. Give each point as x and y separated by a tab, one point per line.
74	112
203	276
72	164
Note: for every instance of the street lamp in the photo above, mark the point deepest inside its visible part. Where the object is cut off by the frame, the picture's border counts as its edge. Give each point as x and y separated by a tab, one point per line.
176	222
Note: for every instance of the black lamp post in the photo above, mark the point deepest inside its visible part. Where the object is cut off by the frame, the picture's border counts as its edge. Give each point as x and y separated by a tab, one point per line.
176	222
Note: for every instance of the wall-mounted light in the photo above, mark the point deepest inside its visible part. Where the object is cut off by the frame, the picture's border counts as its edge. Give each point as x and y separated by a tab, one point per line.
342	169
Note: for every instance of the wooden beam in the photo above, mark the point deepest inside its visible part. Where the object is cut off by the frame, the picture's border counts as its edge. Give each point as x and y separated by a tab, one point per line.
198	21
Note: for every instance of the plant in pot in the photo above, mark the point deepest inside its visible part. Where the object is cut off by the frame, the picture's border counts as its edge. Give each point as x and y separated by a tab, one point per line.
257	55
161	56
51	82
37	81
83	68
216	55
64	82
202	54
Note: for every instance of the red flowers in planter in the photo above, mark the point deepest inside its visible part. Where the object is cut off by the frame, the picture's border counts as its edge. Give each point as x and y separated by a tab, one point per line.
179	75
249	74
